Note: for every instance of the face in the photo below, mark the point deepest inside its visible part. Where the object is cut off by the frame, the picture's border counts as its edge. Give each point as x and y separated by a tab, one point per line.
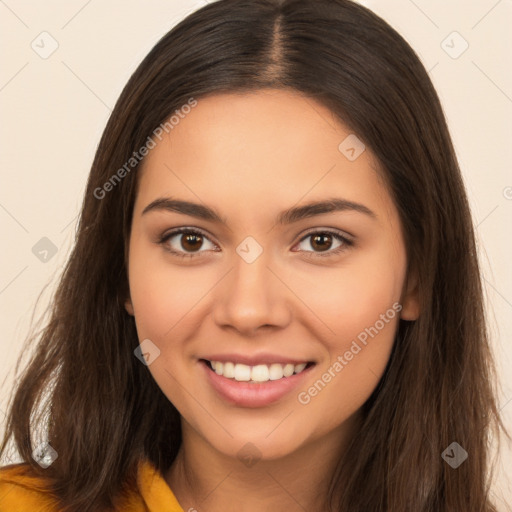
259	306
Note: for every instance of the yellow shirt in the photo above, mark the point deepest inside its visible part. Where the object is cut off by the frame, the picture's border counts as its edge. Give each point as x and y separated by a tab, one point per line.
22	491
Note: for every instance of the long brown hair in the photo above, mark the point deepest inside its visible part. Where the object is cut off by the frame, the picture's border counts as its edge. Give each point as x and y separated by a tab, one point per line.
103	410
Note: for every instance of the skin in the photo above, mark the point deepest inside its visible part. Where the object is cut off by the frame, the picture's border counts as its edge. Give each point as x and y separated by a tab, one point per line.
250	157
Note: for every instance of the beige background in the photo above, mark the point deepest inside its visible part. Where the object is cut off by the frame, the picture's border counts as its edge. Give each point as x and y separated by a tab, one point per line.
54	110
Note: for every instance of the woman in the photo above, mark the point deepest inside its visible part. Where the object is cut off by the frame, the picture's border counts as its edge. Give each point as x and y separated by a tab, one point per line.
274	298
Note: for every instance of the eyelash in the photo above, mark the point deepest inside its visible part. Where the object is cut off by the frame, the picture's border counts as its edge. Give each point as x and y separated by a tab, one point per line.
346	242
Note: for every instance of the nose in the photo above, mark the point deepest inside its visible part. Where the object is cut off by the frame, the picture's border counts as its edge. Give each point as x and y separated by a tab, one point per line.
252	297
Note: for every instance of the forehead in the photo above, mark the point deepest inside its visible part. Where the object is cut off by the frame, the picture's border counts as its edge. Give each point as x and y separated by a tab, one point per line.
264	147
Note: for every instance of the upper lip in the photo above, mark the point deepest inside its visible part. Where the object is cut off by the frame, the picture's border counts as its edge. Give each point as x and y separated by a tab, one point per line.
263	358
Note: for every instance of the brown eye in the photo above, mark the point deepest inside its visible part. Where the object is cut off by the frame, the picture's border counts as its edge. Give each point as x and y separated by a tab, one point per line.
186	242
324	243
321	242
191	241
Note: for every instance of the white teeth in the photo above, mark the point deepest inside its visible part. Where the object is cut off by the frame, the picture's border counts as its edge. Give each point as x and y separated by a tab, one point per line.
288	370
275	371
229	370
258	373
242	372
299	367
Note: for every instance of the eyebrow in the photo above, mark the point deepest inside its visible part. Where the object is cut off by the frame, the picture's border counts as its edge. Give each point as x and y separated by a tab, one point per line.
288	216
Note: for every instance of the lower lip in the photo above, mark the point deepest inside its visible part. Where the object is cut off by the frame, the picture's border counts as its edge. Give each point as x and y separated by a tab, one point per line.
260	394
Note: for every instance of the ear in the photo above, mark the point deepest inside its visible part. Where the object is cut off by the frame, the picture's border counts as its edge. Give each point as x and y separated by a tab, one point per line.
129	306
410	298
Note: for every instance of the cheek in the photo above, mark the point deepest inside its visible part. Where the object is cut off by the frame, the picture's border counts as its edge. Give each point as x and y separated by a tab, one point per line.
353	297
360	305
163	294
346	380
165	301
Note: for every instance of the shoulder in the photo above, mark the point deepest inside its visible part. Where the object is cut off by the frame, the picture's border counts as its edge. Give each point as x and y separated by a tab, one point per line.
22	490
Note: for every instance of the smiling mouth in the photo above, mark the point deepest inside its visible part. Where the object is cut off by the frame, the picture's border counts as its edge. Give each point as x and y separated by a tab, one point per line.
255	374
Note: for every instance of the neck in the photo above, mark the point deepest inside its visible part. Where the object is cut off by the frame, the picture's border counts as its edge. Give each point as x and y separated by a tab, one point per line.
202	478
